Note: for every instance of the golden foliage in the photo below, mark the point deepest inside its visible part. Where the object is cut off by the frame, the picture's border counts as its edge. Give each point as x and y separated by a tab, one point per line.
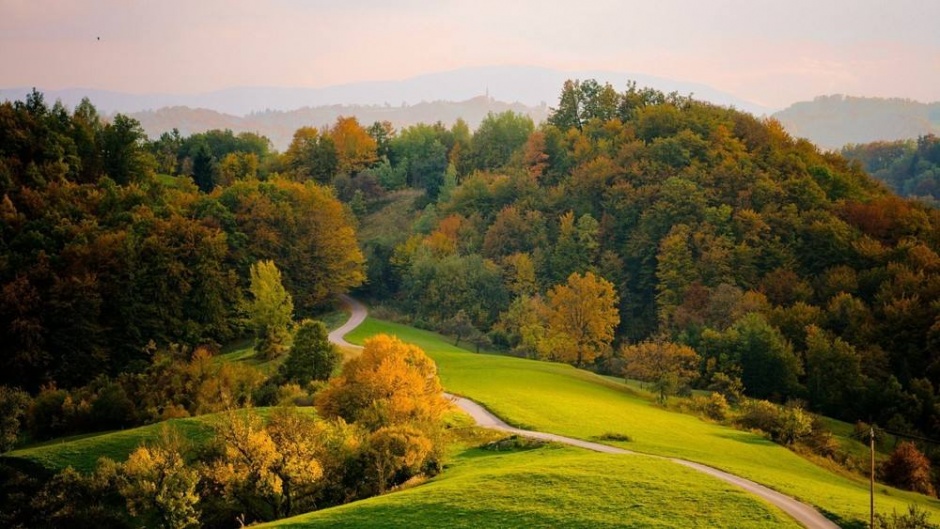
391	382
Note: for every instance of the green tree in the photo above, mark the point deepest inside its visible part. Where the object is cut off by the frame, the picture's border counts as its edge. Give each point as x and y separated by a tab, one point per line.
126	158
270	310
498	137
311	356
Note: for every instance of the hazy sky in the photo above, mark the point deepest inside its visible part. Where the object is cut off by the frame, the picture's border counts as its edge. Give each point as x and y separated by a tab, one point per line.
768	52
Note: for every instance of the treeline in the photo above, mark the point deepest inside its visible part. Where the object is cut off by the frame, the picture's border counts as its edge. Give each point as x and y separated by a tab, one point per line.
103	252
910	168
783	268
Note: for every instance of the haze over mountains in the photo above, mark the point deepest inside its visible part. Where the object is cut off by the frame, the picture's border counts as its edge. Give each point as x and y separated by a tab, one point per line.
524	84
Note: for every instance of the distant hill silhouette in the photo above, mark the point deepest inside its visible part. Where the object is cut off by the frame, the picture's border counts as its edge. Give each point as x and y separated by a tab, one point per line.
526	84
279	126
836	120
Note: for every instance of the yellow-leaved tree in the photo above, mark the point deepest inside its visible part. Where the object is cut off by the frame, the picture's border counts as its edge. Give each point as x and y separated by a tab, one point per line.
390	383
582	317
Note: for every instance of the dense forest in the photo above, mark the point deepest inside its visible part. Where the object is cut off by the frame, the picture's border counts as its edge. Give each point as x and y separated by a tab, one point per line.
784	268
911	168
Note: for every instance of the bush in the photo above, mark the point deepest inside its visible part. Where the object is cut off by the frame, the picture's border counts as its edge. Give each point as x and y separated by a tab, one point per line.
916	518
908	468
714	406
785	425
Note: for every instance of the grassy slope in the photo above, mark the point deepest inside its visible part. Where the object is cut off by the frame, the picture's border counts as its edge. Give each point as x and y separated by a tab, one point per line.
555	486
560	399
83	452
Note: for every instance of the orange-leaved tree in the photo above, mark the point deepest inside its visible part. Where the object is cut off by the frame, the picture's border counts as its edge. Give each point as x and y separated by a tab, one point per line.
666	365
582	317
391	382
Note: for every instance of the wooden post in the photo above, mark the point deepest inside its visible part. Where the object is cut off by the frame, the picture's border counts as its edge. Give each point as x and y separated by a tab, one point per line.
871	492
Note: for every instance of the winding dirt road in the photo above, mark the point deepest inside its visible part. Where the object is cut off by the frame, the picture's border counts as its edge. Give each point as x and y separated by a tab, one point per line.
804	514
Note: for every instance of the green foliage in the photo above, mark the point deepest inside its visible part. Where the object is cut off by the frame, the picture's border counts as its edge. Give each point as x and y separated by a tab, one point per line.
312	356
498	137
911	168
271	309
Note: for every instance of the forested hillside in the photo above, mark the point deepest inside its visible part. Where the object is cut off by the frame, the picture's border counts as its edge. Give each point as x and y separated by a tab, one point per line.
911	168
783	268
101	255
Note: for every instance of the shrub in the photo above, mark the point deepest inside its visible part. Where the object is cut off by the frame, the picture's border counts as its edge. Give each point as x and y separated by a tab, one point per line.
916	518
908	468
785	425
714	406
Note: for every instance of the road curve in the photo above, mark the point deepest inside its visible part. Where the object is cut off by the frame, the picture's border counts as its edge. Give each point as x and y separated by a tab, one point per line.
357	315
804	514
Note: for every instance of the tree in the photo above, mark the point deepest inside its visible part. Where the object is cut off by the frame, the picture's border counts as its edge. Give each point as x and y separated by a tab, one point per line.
268	469
668	366
355	148
909	469
159	484
125	158
396	453
390	383
498	137
271	309
14	403
582	316
312	156
769	368
311	356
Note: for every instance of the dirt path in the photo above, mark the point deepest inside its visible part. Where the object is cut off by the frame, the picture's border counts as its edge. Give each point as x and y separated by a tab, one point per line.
357	315
804	514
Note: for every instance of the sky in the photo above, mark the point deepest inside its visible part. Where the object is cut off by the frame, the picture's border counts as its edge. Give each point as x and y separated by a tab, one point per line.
772	53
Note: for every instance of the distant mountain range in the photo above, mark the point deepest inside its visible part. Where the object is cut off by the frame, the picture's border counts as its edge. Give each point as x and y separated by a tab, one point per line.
530	86
834	121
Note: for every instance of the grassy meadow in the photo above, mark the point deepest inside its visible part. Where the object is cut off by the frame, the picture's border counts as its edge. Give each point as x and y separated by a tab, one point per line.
554	486
560	399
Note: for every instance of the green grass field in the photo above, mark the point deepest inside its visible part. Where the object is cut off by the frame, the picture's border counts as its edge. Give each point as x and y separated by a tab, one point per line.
560	399
555	486
83	453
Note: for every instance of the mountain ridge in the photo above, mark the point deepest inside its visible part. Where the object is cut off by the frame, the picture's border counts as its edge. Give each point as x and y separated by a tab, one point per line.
528	85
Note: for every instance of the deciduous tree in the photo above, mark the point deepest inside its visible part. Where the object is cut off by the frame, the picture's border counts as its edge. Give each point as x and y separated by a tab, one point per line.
582	317
668	366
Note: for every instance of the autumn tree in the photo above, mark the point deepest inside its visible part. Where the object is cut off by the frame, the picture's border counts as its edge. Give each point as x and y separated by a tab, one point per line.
582	316
395	454
14	403
390	383
355	148
909	469
160	485
311	356
668	366
268	469
271	309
